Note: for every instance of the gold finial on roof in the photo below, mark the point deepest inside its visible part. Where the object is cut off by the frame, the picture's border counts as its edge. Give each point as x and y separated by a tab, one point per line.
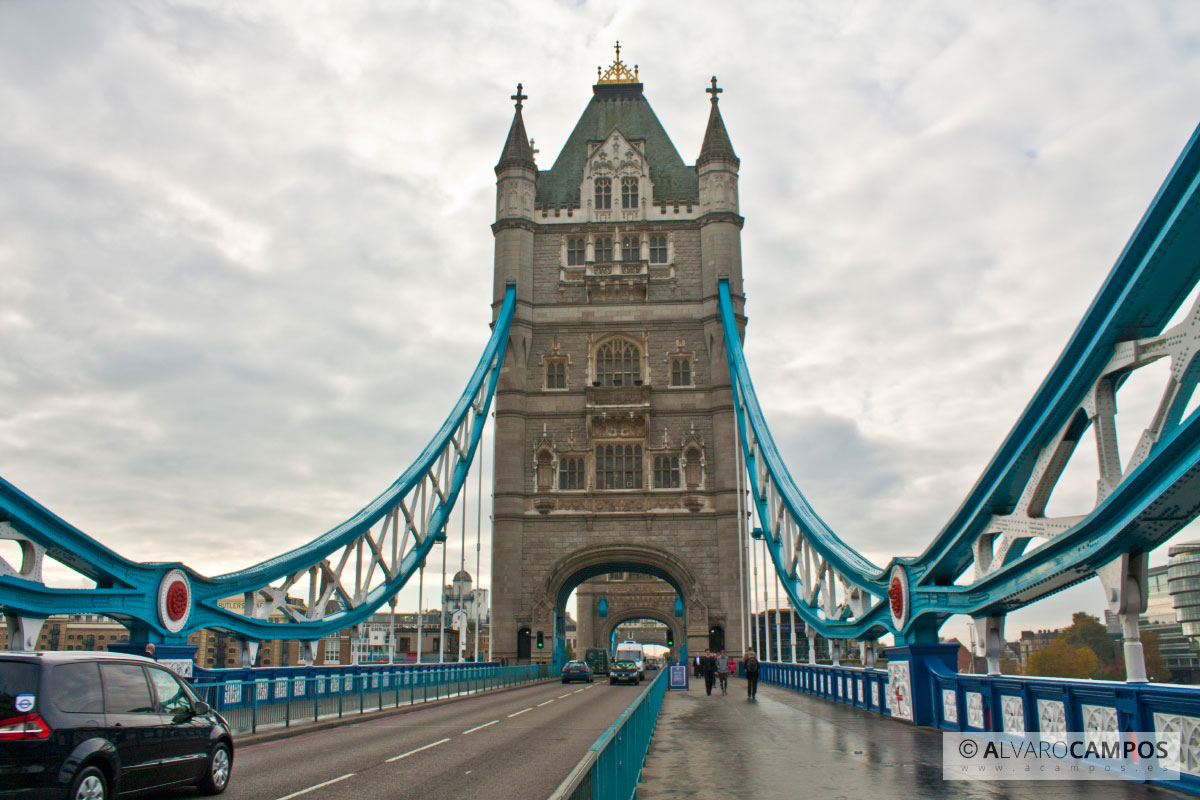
617	71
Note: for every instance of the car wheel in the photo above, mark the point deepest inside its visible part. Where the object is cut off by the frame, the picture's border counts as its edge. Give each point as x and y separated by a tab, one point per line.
220	765
89	784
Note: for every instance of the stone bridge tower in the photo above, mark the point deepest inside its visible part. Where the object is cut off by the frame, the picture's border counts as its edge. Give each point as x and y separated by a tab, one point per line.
615	447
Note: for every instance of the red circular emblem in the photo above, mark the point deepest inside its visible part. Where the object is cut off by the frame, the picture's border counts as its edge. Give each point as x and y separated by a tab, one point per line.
177	601
896	594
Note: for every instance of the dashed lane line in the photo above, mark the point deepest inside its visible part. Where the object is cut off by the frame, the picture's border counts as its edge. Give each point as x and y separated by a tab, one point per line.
480	727
577	691
561	696
548	702
318	786
419	749
522	711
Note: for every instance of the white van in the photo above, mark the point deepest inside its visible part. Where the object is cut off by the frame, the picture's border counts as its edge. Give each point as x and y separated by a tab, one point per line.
632	651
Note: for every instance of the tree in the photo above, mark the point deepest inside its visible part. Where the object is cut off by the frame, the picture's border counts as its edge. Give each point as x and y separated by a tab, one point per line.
1087	631
1061	659
1156	665
570	652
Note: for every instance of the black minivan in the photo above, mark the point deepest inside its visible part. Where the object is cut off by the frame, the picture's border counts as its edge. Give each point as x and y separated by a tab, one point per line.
89	726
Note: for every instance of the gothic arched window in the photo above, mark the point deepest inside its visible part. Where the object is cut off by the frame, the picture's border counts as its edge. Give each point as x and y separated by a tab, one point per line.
666	472
603	193
630	250
658	249
619	466
570	474
604	248
575	252
618	363
629	193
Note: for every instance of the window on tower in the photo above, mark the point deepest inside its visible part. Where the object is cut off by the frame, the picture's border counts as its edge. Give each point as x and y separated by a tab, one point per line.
570	474
630	249
556	374
619	466
658	249
618	363
575	252
603	193
666	472
681	372
629	193
604	249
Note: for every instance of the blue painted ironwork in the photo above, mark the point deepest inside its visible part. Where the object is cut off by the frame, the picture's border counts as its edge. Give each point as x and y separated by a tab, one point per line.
253	699
841	594
384	544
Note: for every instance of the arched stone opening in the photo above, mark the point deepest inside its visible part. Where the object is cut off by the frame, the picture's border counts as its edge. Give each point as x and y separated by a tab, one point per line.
675	624
590	562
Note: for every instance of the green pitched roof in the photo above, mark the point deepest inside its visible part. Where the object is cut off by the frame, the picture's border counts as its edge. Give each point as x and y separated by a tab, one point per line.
623	107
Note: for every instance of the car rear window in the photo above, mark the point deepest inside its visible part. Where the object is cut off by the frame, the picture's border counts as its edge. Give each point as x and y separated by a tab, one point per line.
76	688
17	679
125	689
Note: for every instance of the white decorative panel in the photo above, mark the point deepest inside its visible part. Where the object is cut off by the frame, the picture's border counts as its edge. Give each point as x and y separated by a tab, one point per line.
281	687
261	688
859	695
298	687
950	705
875	694
1052	720
1188	729
233	693
1014	714
900	690
975	709
1100	724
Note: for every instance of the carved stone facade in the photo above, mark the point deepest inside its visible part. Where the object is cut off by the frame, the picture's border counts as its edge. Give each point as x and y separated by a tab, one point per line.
615	446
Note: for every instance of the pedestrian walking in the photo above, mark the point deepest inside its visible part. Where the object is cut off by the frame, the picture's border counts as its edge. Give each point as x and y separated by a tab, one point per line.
696	667
149	651
722	662
708	669
750	662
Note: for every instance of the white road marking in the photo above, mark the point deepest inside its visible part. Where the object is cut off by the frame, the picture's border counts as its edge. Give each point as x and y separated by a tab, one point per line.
577	691
522	711
561	696
419	749
314	788
548	702
478	727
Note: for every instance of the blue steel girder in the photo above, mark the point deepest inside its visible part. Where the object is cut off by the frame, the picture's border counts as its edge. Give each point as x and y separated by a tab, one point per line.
385	544
1139	506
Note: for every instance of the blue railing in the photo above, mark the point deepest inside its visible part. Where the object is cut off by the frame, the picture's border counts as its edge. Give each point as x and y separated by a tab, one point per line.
253	699
613	764
1049	708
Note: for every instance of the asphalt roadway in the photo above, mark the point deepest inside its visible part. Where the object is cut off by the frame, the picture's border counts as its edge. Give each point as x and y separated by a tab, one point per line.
517	744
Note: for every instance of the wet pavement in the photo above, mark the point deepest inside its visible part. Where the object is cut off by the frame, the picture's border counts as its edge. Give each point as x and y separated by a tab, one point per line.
789	745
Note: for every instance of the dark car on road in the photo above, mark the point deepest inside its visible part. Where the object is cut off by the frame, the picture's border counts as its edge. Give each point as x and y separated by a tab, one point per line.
89	726
624	672
576	671
597	659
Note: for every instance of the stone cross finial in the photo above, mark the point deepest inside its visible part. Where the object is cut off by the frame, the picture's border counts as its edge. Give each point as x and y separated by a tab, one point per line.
521	98
534	149
714	91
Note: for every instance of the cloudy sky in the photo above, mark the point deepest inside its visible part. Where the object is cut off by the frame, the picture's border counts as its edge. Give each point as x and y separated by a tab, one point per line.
245	260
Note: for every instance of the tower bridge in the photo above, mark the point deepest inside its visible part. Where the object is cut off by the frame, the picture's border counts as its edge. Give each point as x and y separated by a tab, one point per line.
629	441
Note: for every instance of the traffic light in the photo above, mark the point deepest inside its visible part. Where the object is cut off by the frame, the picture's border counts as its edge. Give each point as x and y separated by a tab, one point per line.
670	639
541	640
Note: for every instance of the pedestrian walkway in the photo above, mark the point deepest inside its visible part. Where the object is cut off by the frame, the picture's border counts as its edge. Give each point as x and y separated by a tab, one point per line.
788	745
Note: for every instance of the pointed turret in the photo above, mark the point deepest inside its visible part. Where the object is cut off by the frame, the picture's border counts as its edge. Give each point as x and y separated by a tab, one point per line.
720	222
517	150
716	139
